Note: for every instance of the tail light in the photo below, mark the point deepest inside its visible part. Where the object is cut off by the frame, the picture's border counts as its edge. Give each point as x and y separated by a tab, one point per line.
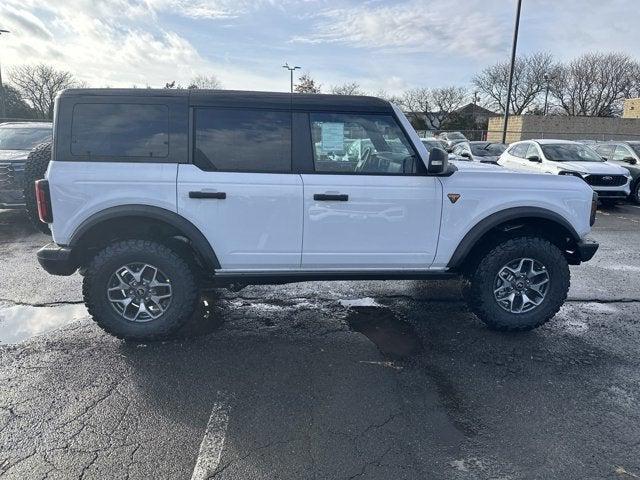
43	198
594	208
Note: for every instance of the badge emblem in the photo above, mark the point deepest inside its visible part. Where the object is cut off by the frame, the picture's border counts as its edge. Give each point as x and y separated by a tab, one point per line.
453	197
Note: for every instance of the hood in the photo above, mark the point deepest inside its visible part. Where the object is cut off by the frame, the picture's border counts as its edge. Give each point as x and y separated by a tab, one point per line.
14	154
467	166
603	168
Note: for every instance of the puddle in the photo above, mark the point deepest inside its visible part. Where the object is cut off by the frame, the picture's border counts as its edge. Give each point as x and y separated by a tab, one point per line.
21	322
394	337
359	302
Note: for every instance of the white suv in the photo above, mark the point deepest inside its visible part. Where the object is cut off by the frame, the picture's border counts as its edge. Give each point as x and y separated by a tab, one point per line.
563	157
157	194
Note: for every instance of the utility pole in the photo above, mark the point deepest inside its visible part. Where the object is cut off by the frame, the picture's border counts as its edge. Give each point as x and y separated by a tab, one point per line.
546	94
3	106
514	45
291	70
473	112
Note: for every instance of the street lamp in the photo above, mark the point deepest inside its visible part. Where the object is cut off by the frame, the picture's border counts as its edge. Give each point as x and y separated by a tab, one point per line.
2	104
511	68
291	70
473	112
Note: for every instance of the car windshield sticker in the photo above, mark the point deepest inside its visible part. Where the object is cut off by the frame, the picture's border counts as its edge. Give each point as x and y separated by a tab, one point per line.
332	139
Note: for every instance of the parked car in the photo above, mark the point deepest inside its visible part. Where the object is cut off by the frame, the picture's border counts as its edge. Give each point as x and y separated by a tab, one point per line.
238	188
563	157
627	155
431	143
17	139
477	151
451	139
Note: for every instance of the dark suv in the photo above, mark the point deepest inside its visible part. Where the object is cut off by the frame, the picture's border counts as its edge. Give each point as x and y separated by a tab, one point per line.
16	142
627	155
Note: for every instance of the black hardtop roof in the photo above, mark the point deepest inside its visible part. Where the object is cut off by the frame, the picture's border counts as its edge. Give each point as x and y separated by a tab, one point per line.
245	98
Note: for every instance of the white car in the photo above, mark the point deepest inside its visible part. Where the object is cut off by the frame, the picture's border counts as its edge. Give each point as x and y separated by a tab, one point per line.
156	195
564	157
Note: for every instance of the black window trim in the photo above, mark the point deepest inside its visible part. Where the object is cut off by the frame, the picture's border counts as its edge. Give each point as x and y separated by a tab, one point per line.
122	158
421	169
192	138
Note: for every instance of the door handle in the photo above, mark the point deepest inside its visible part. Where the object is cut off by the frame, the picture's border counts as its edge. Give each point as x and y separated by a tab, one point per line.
218	195
331	197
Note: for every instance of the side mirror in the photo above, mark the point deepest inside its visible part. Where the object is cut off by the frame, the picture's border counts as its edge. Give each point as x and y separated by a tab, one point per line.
605	159
438	161
465	154
630	160
534	158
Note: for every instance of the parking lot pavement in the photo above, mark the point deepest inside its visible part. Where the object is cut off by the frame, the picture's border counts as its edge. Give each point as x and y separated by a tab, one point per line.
330	380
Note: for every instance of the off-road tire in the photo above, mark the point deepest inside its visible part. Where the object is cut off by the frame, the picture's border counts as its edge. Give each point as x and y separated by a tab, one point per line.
35	168
184	284
479	283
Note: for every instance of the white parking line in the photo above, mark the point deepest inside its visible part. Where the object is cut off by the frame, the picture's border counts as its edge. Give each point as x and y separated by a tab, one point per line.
212	443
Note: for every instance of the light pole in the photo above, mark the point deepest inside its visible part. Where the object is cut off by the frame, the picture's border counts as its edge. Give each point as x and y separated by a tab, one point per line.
473	112
291	70
2	104
511	68
546	93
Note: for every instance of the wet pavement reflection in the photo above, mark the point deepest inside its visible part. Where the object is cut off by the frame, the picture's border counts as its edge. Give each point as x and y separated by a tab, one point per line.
21	322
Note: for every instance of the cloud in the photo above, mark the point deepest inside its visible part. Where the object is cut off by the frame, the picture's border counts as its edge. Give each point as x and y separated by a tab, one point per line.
411	27
23	20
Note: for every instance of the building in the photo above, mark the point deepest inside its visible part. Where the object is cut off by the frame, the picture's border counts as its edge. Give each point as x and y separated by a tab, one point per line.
631	108
525	127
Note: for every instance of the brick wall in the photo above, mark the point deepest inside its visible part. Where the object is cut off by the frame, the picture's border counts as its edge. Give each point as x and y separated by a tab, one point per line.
525	127
631	108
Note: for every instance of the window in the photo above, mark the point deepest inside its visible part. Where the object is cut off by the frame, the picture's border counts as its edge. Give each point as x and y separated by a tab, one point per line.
120	130
365	144
605	150
242	140
532	150
519	150
621	153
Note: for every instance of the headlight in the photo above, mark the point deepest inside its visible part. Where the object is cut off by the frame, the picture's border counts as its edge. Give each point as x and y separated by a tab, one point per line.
572	174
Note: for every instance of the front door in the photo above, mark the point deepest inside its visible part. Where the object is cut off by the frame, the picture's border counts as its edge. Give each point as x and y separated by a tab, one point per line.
240	191
368	205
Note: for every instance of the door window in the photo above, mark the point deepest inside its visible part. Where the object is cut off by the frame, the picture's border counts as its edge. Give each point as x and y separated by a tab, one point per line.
621	153
242	140
605	151
519	150
532	150
360	144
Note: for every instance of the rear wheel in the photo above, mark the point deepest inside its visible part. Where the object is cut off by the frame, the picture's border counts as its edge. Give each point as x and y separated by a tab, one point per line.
140	290
35	168
519	285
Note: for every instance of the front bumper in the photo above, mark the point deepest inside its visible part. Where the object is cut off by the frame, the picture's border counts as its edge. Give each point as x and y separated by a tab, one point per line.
57	260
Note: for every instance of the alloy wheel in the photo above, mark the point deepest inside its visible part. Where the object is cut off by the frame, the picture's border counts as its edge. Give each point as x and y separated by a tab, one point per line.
521	285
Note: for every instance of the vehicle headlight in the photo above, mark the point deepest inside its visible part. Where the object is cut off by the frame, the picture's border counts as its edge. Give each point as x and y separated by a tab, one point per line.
570	173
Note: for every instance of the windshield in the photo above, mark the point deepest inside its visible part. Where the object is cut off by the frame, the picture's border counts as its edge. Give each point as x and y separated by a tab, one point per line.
22	138
456	136
569	152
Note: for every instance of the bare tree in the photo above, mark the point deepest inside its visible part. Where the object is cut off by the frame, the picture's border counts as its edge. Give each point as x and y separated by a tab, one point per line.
39	84
306	84
595	84
389	97
529	81
433	107
205	82
352	88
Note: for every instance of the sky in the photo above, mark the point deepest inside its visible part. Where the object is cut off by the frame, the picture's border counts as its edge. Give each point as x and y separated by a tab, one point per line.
382	45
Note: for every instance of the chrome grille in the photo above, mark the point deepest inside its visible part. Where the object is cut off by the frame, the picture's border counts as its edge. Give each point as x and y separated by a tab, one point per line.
7	177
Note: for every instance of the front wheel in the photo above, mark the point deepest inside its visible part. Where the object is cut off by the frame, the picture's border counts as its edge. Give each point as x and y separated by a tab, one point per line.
140	290
636	192
519	285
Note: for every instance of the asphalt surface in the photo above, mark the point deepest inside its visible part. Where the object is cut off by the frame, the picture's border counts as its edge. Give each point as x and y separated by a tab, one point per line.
324	380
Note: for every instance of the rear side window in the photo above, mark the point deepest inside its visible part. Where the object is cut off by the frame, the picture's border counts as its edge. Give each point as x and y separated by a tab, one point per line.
605	150
120	130
242	140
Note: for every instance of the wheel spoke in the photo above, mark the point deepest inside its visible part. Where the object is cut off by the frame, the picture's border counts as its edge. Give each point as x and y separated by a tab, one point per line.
521	285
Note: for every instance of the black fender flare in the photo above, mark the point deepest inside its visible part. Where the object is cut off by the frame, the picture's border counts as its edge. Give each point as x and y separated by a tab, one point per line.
188	229
488	223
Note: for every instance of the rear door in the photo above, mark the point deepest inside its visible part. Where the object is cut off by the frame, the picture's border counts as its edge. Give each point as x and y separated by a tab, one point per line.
239	189
367	203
